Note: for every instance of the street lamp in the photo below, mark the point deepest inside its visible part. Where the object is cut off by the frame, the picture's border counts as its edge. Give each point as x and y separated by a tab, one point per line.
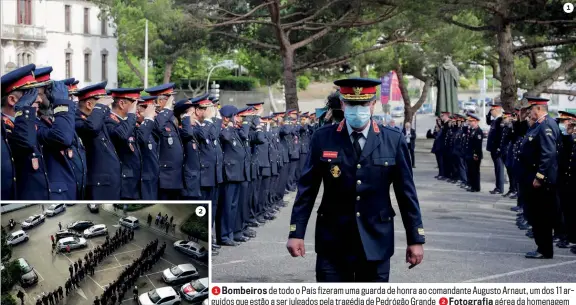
146	51
210	73
215	90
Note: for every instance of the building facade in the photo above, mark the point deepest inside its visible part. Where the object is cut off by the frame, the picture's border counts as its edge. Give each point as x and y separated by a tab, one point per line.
69	35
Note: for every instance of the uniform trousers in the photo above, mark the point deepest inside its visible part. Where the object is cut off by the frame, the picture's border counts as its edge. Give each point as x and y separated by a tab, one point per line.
461	169
412	157
543	208
292	174
167	194
440	163
301	163
228	211
498	171
243	210
263	194
474	174
511	178
340	269
283	181
253	197
567	193
273	194
209	193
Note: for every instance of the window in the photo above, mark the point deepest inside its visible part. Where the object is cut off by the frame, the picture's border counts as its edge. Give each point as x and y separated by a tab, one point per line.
24	8
104	66
68	65
24	58
67	12
87	67
104	25
86	20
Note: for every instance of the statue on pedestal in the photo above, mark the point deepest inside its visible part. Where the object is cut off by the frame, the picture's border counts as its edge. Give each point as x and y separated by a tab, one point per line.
447	78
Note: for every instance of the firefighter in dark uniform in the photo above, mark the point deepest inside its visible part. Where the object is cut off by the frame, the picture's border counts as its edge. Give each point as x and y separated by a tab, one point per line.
305	132
56	135
507	136
171	148
189	130
276	155
357	161
103	165
148	141
459	164
494	119
539	158
474	153
294	148
20	100
78	158
567	229
269	210
121	125
521	128
236	171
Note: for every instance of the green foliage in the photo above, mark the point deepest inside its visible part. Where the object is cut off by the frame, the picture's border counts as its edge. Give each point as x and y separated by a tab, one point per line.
8	300
464	83
303	82
526	76
241	83
132	207
266	66
6	249
196	226
10	275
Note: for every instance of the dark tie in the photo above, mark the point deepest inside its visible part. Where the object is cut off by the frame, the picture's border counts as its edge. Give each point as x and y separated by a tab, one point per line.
357	148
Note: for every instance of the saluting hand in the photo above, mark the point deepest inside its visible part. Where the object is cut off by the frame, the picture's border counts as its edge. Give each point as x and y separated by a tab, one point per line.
536	183
414	254
150	112
170	102
296	247
133	107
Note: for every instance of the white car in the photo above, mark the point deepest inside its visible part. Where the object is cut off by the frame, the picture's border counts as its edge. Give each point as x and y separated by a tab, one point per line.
468	106
205	302
180	273
73	242
17	237
196	290
129	221
33	221
397	112
160	296
191	248
96	230
55	209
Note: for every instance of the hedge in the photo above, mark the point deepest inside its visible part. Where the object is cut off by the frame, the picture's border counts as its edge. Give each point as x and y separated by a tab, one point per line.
196	227
240	83
132	207
10	276
8	300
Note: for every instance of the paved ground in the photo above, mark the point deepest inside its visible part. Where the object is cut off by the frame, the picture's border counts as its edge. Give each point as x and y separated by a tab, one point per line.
53	269
471	237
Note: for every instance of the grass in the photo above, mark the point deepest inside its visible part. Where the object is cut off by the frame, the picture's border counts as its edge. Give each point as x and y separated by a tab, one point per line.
197	227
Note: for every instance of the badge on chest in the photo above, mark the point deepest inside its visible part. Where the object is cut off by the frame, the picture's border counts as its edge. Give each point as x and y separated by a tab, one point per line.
335	171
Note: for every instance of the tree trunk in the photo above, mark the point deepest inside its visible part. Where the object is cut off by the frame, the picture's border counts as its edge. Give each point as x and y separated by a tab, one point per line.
505	49
363	71
290	85
168	71
424	95
408	112
552	77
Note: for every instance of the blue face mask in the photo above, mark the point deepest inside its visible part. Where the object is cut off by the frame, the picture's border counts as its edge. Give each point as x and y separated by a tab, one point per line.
357	116
563	129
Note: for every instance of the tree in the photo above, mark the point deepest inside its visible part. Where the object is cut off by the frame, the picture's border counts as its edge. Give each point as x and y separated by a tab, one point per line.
6	249
170	35
305	33
517	28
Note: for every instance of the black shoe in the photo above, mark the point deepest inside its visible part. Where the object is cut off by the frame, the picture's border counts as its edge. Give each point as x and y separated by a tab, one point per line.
253	224
241	239
215	245
521	213
229	243
507	194
514	196
269	217
515	209
249	233
495	191
536	255
564	244
261	219
214	252
529	233
524	227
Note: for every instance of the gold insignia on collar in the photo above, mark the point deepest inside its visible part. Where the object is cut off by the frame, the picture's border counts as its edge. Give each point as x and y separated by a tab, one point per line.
420	231
292	228
357	90
335	171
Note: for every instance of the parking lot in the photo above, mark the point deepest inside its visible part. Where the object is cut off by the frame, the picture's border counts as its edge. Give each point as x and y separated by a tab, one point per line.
52	269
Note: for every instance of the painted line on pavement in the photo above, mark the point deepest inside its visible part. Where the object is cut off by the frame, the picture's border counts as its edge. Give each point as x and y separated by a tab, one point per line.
521	271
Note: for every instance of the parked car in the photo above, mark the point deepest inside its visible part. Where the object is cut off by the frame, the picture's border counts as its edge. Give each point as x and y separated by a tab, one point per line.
160	296
180	273
205	302
96	230
73	242
397	112
196	290
80	225
55	209
17	237
191	248
33	221
425	109
66	233
129	221
94	208
70	204
468	106
29	276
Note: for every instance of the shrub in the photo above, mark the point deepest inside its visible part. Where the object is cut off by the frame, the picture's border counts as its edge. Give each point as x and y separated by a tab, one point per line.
8	300
230	83
464	83
196	227
132	207
303	82
10	276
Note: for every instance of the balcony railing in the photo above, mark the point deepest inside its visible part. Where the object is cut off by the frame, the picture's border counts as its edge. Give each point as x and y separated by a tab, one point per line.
23	32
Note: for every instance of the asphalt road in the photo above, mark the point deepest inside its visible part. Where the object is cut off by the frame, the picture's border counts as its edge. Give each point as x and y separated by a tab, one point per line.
53	268
470	237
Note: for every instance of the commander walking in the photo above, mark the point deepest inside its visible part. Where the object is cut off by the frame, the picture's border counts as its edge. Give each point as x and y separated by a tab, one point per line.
357	160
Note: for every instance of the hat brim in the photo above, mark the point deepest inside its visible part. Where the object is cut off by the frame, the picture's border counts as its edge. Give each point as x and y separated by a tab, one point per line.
35	85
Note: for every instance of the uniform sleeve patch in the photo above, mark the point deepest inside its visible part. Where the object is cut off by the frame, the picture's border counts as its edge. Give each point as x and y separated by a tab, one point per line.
292	228
330	154
61	108
421	231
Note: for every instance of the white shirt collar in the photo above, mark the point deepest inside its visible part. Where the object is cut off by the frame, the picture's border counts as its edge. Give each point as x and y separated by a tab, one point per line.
364	132
116	114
